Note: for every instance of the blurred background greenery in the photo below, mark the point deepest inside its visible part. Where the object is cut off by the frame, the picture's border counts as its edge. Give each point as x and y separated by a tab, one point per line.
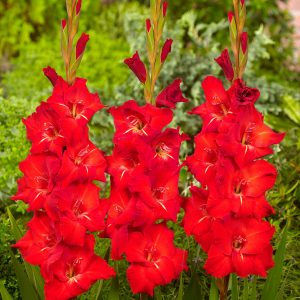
30	41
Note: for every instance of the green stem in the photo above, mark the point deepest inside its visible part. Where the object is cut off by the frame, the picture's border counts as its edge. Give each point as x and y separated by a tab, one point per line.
154	55
70	23
238	37
222	284
144	297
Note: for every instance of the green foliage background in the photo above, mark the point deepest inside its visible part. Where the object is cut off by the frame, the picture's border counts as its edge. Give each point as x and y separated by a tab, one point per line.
30	42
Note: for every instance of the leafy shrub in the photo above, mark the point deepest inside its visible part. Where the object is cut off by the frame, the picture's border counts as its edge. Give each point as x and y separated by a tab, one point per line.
13	144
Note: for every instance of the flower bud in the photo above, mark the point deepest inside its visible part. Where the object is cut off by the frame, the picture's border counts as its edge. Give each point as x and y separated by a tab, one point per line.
51	74
225	63
78	7
230	16
148	25
137	67
165	6
63	24
244	42
81	44
166	50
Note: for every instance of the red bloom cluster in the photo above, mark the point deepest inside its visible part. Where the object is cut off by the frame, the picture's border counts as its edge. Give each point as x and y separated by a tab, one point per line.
58	187
225	215
144	169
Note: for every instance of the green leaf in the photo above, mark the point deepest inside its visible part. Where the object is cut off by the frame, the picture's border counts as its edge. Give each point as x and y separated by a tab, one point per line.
245	289
280	124
213	293
157	294
15	228
33	273
99	289
292	108
114	286
26	288
272	283
180	291
234	287
4	293
193	290
253	289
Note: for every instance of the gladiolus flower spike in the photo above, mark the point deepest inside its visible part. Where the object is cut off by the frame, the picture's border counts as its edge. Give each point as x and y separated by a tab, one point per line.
144	169
226	214
58	187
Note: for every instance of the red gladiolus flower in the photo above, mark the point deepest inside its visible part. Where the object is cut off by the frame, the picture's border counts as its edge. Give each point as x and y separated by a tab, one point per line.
78	209
242	190
42	242
224	218
43	130
197	220
74	101
171	95
134	120
156	194
240	246
58	183
216	106
246	137
240	94
225	63
166	50
82	161
162	150
153	257
38	181
137	67
202	164
74	274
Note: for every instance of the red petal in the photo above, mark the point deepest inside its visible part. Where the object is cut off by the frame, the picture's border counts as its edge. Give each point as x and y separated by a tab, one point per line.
260	176
171	95
137	275
214	91
218	264
73	232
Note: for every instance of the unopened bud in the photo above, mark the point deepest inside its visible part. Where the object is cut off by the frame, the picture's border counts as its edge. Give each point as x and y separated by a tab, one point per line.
81	44
230	16
63	24
165	6
225	63
148	25
137	67
166	50
51	74
78	7
244	42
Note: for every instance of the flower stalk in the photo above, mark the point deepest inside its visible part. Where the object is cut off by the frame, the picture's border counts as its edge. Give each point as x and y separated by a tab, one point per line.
237	23
72	55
